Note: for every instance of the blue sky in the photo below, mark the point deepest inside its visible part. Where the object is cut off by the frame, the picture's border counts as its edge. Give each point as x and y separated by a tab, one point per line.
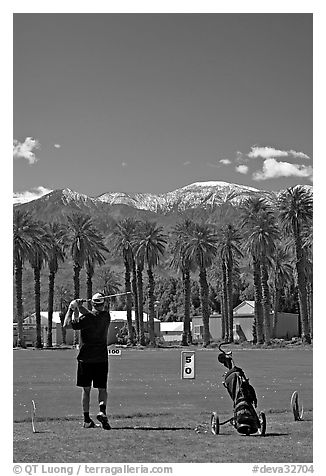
153	102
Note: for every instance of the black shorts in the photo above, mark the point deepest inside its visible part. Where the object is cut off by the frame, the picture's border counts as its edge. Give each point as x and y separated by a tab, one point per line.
88	372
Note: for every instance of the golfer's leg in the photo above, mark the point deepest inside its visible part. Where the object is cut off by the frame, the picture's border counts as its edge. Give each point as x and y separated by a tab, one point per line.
86	393
101	416
101	383
102	399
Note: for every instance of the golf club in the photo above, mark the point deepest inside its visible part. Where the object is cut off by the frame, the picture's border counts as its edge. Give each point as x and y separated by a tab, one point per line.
109	296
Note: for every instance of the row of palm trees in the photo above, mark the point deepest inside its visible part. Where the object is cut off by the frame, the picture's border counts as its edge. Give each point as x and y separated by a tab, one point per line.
261	232
193	248
43	244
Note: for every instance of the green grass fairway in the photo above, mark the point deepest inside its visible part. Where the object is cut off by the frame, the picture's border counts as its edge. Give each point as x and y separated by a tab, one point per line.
154	413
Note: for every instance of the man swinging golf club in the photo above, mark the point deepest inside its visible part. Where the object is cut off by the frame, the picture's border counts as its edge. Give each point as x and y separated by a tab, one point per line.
92	358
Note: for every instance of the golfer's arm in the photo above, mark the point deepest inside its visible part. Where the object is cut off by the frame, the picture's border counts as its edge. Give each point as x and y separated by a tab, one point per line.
68	319
83	310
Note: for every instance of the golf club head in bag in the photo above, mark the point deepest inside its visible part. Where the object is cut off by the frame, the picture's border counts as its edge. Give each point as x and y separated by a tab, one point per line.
225	359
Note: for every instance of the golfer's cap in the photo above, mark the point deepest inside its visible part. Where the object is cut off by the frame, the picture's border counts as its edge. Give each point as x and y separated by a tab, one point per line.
98	298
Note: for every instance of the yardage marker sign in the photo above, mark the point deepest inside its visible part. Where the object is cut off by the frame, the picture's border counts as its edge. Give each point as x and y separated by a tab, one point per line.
114	351
187	364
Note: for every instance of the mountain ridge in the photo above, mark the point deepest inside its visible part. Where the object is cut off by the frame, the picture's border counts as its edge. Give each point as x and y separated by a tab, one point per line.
147	200
111	206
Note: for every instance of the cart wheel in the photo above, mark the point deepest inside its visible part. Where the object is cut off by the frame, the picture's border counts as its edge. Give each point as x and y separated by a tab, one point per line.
298	415
215	424
262	421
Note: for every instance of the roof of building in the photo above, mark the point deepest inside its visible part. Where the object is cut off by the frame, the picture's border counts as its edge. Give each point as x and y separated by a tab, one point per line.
245	304
122	316
171	326
44	318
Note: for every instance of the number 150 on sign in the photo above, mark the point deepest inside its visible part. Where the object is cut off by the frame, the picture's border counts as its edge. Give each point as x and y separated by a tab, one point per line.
187	364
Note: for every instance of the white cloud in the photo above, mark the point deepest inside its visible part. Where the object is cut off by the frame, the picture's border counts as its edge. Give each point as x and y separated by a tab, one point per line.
266	152
124	164
187	162
29	195
299	155
242	169
57	146
24	150
225	161
274	169
270	152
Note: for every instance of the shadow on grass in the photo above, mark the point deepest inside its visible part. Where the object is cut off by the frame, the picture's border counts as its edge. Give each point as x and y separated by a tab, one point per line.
270	434
153	428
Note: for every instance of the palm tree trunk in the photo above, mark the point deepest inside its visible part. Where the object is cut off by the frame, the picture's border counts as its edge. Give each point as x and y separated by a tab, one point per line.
223	333
37	297
204	305
135	295
276	306
140	305
19	303
302	288
186	336
266	303
259	320
129	302
151	310
224	308
63	329
89	287
303	306
77	269
229	290
310	307
50	308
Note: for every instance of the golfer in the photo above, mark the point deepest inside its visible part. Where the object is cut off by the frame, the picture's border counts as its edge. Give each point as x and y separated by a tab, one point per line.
93	355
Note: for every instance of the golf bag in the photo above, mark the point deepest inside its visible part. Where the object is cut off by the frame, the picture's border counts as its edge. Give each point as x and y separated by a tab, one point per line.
243	396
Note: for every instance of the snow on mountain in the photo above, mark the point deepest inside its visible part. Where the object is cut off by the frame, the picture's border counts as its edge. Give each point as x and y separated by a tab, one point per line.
198	194
71	196
190	196
142	201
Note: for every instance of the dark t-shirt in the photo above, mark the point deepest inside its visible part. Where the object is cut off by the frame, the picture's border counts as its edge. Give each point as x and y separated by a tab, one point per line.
93	328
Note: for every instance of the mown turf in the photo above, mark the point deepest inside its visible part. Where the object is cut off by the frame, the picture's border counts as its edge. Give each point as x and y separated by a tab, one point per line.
150	406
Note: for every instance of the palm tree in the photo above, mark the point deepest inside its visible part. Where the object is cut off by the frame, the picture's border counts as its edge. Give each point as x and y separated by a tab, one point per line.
135	296
261	242
200	249
37	258
150	248
295	213
250	208
309	271
139	264
282	276
229	248
124	234
56	235
26	234
85	241
181	233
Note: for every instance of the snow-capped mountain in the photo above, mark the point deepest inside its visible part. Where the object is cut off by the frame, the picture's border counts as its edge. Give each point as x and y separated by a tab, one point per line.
191	196
164	207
